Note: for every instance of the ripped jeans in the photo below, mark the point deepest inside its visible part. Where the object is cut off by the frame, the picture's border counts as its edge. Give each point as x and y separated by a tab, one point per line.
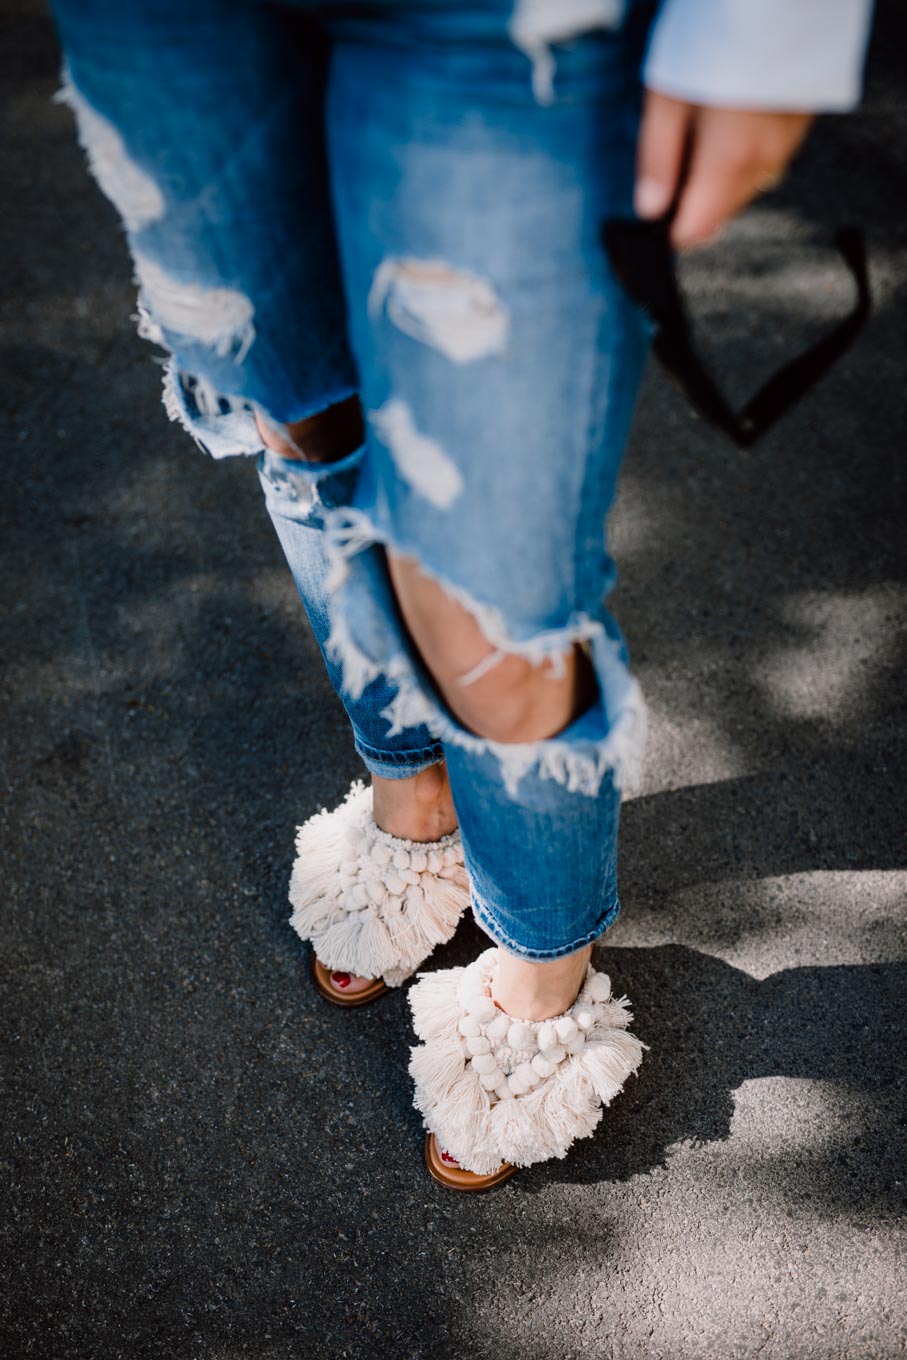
402	199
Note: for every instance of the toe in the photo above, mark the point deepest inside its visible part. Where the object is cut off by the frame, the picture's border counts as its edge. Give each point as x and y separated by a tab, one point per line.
350	983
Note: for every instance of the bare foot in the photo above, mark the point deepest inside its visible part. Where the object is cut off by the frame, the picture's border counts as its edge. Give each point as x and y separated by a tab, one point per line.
534	991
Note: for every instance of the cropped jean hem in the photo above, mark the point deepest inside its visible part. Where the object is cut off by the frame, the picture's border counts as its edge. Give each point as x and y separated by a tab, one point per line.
485	918
399	764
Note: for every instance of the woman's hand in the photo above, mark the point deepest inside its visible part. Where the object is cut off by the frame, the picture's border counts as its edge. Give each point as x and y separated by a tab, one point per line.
724	156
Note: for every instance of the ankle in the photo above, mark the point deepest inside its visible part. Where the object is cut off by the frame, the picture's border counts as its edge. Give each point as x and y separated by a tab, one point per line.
538	991
419	808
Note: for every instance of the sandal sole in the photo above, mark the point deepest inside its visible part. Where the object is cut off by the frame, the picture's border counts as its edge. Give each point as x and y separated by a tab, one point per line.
321	977
455	1177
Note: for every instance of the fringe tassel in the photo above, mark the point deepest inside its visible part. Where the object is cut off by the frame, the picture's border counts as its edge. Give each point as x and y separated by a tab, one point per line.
370	903
434	1005
460	1058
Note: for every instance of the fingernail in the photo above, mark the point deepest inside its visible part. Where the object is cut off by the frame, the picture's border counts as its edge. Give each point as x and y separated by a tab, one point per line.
651	198
340	979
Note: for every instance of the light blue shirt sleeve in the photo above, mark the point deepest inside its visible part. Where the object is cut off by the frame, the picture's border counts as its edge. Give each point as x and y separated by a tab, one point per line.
760	54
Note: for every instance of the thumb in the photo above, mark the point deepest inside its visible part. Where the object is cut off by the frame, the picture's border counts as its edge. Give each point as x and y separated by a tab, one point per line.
660	152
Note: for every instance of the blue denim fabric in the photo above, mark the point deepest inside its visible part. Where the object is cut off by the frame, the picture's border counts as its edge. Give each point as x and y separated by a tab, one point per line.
297	505
402	198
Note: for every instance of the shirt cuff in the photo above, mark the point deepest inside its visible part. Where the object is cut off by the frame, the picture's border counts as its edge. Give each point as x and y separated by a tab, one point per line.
760	54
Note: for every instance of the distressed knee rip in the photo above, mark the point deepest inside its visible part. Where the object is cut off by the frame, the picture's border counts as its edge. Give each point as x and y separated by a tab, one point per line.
368	640
420	460
537	24
451	310
493	692
299	486
223	424
326	437
508	698
220	318
131	190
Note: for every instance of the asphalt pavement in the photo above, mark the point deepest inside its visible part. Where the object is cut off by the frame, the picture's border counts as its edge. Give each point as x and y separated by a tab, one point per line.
202	1159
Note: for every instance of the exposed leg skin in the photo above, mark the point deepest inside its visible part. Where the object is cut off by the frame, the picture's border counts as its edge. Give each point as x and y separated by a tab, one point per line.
323	438
512	701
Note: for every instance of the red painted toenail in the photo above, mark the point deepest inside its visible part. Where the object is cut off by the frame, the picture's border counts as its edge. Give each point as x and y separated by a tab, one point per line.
446	1157
341	979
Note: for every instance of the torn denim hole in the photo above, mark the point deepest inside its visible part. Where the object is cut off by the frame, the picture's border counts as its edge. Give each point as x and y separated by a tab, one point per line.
225	426
221	425
131	190
221	318
536	24
451	310
305	491
419	459
367	641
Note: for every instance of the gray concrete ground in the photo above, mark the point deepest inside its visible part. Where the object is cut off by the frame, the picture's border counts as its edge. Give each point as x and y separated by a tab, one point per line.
203	1160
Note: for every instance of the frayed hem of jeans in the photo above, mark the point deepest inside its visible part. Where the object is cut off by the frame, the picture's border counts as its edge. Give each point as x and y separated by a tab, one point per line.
485	920
224	425
406	768
579	766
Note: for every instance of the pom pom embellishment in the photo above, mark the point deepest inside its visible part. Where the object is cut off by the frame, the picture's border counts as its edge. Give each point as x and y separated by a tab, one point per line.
483	1008
498	1090
500	1026
600	987
370	902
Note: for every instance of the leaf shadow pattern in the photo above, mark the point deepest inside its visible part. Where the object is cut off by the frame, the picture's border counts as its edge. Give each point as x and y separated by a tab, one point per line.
710	1027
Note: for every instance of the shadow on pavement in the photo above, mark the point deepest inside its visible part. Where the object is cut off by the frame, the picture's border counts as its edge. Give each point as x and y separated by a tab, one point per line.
204	1159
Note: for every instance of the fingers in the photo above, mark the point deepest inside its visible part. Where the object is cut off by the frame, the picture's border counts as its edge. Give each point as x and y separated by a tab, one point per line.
712	160
736	154
722	179
663	136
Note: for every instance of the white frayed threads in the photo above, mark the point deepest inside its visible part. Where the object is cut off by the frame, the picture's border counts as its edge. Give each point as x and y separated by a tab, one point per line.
452	310
147	327
207	399
220	425
171	398
371	903
536	24
130	189
580	766
219	317
492	1089
420	460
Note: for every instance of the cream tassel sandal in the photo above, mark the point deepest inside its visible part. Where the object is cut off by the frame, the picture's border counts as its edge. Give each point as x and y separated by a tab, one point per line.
371	903
498	1093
